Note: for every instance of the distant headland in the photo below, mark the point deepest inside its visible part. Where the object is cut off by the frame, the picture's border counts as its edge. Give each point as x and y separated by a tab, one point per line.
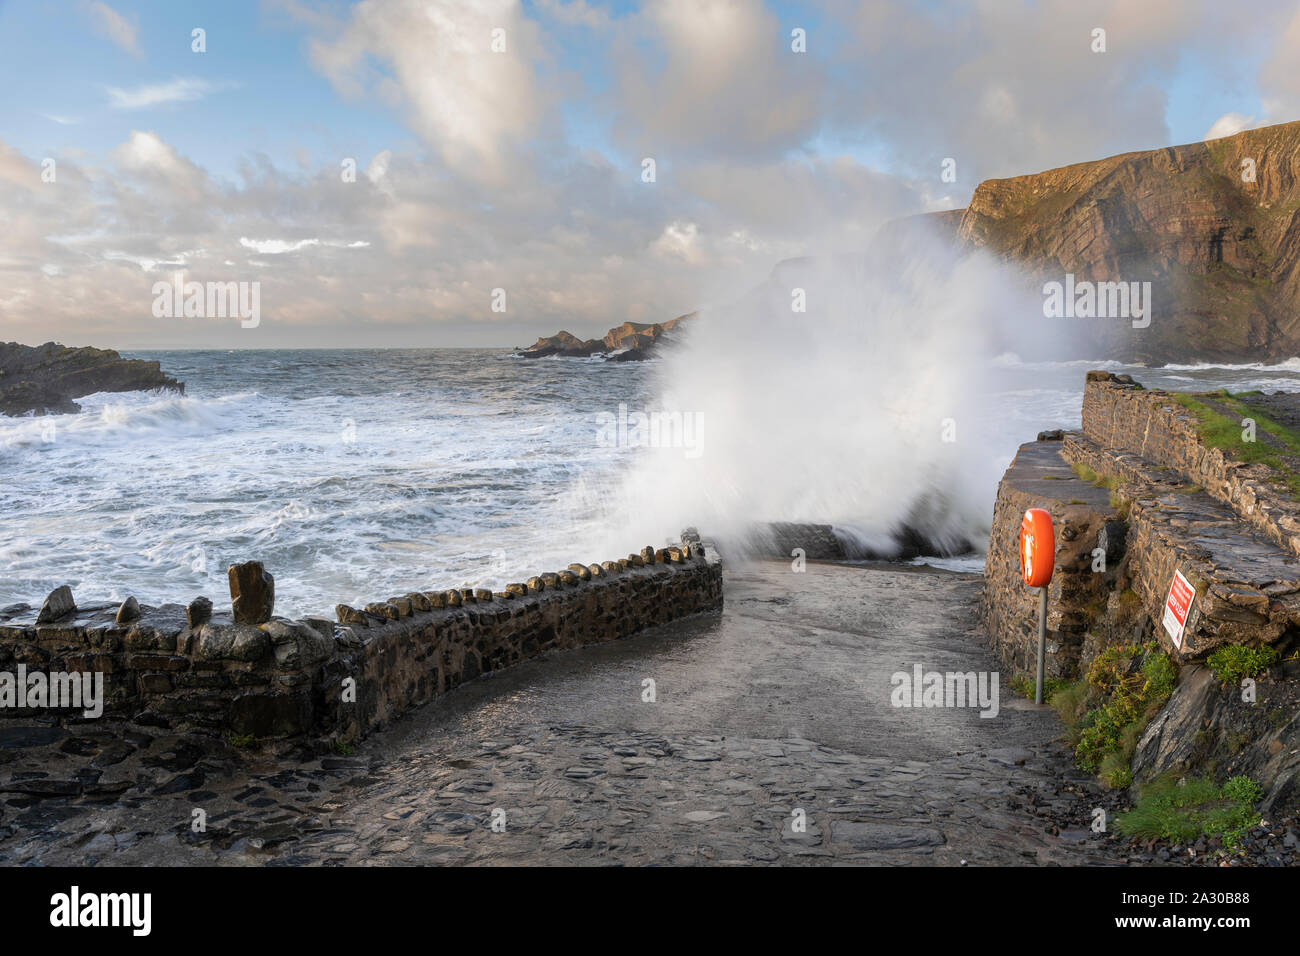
629	342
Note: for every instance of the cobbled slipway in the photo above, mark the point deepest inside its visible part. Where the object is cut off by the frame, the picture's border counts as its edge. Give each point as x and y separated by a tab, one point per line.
770	738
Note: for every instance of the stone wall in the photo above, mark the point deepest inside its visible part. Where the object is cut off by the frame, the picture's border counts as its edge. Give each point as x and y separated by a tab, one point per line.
1039	477
254	675
1164	502
1122	417
1180	502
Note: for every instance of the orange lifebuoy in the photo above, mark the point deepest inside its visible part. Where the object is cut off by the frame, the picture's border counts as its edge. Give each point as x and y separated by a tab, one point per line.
1037	548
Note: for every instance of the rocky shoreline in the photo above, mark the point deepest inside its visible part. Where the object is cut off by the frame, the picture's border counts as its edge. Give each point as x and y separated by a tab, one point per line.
46	378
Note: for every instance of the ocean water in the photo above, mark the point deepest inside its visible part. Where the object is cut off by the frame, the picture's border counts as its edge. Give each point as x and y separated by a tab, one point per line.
355	475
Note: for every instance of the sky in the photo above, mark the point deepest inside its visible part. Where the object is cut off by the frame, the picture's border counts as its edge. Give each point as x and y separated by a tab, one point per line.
446	173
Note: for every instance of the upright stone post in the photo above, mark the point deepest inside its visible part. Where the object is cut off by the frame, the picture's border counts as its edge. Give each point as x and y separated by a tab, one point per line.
252	592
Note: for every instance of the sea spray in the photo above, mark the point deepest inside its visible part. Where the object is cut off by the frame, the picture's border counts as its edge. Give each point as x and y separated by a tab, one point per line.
858	391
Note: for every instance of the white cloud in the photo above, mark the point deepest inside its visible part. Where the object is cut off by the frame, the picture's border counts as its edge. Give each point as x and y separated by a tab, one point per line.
680	240
119	29
713	76
475	107
1229	124
275	247
178	90
1279	76
760	156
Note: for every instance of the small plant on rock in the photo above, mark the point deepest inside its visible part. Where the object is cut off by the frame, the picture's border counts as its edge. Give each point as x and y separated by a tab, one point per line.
1129	694
1171	810
1232	663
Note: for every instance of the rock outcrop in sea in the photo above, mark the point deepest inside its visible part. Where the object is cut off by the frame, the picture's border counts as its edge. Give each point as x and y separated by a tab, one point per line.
629	342
46	378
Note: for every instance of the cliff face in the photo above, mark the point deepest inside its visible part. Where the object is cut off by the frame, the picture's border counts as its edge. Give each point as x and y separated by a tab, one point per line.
48	377
1221	249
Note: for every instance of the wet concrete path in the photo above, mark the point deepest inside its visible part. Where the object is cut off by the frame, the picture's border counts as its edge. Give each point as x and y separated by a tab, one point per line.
770	738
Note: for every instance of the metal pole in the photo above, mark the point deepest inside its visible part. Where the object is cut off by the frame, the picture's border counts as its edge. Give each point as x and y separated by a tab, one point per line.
1042	642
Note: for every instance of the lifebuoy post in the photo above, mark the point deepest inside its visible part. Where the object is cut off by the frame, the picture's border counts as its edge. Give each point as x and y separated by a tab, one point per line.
1037	558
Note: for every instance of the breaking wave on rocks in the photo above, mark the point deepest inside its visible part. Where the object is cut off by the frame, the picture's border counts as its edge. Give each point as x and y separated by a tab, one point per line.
880	409
357	474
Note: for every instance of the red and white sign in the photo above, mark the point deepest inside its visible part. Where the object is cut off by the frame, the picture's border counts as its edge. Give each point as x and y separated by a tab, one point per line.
1177	606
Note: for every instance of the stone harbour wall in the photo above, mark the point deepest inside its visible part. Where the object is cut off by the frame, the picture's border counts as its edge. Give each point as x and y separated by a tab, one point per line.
1185	507
253	675
1039	477
1162	502
1123	417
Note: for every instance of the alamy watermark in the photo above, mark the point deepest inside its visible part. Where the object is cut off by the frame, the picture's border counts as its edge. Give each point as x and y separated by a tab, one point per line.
77	909
58	689
208	300
656	429
1098	300
923	688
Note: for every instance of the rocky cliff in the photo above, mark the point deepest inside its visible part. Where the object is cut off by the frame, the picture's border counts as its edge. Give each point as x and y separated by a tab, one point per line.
47	378
627	342
1214	226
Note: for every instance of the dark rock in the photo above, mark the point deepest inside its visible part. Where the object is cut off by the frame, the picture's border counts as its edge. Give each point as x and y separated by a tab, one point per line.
1111	540
629	342
58	604
48	377
182	782
350	615
231	642
199	612
128	612
18	738
252	592
383	609
269	715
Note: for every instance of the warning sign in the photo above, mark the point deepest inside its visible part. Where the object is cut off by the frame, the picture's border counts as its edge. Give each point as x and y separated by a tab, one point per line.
1177	607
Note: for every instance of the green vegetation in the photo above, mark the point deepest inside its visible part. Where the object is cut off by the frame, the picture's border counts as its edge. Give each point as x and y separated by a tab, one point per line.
1109	482
1106	712
242	741
1120	504
1219	431
1025	686
343	748
1092	478
1233	663
1196	808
